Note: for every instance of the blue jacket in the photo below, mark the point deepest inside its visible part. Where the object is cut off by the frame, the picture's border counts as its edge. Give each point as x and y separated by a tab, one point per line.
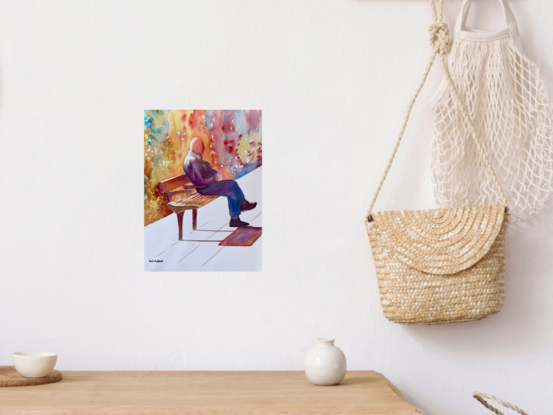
198	171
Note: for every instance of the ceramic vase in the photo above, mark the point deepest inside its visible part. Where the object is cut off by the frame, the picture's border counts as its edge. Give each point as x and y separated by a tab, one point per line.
325	364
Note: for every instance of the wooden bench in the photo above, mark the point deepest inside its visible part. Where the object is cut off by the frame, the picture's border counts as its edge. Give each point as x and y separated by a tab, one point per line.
182	196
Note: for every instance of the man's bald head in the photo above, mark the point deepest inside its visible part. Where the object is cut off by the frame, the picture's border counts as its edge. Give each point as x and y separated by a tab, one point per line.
197	146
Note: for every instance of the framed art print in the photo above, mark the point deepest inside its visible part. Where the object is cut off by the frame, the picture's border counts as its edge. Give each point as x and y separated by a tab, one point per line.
202	190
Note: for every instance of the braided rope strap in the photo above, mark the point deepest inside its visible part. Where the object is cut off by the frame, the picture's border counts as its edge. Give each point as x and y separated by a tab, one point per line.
441	45
481	397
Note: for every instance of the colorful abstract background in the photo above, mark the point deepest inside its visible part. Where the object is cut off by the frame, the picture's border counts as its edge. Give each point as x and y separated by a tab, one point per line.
232	140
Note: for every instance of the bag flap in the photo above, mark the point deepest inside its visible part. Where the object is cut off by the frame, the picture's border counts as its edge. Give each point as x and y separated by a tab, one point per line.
440	241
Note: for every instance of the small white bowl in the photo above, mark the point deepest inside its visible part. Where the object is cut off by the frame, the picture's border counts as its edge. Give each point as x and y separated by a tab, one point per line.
34	364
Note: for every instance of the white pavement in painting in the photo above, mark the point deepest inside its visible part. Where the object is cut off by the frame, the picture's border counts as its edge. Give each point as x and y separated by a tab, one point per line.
164	252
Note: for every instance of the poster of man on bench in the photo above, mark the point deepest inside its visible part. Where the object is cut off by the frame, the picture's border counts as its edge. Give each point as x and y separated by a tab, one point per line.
202	190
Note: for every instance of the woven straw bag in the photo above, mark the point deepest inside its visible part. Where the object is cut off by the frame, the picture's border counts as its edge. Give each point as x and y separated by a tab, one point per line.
443	265
482	397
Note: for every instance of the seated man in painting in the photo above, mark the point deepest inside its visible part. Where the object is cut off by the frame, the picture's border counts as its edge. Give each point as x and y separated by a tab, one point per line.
209	181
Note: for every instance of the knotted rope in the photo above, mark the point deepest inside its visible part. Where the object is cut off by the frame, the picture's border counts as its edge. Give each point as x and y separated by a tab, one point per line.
439	38
441	45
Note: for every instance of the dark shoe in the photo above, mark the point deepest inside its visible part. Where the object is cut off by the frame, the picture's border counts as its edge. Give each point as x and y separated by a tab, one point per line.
237	223
247	206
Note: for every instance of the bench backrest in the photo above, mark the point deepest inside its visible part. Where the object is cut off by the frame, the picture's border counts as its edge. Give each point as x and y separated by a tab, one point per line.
182	182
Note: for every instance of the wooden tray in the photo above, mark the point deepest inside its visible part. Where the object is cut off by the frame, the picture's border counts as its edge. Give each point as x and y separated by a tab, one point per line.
10	377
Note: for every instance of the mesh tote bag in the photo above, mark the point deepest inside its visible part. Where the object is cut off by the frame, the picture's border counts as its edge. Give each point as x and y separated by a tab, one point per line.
443	265
507	101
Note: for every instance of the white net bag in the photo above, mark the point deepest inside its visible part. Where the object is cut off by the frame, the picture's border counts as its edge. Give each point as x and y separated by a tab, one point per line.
508	103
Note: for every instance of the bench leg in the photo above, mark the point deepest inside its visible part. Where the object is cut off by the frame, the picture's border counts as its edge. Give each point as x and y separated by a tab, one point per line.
180	215
194	218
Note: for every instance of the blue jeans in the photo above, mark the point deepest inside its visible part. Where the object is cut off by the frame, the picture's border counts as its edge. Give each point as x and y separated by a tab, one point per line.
228	188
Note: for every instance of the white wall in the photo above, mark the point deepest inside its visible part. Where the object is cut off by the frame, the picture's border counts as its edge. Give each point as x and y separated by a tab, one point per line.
332	78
